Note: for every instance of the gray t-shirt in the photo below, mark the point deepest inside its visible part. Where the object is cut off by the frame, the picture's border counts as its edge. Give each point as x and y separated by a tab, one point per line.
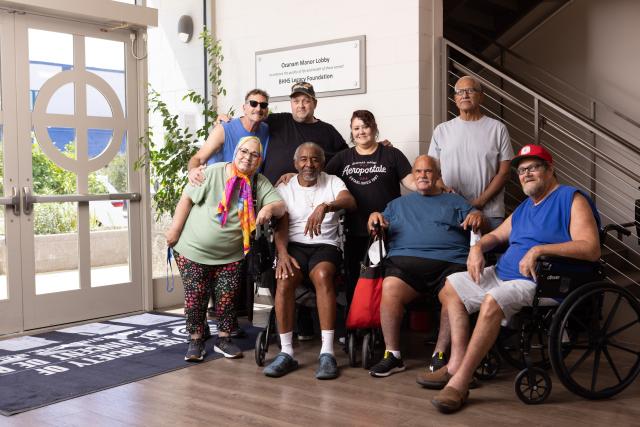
470	153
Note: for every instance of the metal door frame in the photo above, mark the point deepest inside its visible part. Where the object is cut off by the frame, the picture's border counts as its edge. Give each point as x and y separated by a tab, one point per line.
25	310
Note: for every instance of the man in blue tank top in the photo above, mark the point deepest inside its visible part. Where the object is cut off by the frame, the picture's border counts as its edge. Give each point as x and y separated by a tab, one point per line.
555	220
222	142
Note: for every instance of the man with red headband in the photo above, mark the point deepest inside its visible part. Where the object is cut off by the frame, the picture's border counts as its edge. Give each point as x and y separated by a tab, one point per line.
555	220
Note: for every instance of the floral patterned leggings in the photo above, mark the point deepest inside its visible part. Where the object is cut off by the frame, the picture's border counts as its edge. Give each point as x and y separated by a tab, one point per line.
199	280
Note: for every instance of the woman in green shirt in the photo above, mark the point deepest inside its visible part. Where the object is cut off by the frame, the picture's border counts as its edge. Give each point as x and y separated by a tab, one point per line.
210	236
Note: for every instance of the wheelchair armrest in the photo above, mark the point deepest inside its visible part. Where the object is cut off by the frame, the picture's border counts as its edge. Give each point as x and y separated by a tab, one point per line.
557	276
561	260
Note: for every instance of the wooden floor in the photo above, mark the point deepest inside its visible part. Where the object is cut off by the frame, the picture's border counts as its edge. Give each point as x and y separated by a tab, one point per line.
234	392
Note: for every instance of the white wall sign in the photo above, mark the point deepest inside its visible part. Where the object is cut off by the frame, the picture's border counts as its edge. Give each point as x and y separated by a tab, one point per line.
334	67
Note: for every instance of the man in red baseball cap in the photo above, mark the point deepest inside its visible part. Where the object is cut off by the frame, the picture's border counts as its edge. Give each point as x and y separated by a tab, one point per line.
532	150
555	220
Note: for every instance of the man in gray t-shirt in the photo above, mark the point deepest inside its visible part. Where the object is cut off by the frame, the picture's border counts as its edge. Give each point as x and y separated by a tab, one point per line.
474	152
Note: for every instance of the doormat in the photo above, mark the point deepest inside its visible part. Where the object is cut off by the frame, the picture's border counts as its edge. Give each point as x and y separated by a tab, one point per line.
39	370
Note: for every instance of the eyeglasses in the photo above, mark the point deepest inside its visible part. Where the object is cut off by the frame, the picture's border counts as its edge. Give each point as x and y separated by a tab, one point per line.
531	168
254	104
253	154
467	90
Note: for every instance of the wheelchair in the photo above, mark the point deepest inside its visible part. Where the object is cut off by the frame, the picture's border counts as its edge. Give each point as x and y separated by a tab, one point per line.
305	294
581	324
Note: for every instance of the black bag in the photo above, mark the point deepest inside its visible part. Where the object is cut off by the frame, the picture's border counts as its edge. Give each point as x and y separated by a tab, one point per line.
258	260
260	256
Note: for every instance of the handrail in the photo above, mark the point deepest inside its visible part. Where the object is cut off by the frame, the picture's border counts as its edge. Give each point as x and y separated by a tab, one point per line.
553	77
559	107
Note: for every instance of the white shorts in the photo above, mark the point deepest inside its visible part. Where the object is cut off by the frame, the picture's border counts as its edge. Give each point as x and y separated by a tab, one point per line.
511	295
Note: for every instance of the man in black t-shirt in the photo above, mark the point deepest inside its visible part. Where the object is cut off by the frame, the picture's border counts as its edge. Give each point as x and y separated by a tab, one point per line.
288	130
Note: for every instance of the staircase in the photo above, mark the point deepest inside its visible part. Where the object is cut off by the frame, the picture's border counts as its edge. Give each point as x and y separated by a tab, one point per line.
600	157
478	24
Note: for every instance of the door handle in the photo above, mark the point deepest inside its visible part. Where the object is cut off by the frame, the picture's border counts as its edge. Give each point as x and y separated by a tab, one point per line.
12	201
27	201
15	201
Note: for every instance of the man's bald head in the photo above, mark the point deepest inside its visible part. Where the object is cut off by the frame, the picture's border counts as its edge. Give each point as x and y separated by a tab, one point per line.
426	171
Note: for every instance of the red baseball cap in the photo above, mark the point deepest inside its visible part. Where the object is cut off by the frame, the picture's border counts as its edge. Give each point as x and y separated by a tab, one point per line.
532	150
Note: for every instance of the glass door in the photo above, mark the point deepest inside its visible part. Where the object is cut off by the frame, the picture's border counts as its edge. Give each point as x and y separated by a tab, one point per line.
75	139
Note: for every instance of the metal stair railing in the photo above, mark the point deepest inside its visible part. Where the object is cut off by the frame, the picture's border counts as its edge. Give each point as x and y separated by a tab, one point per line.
586	154
541	80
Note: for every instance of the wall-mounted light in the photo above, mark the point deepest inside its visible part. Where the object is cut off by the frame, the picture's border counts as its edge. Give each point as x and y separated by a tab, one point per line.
185	28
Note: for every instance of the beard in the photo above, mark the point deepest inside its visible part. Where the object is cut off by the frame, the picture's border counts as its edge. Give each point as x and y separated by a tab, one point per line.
309	176
533	189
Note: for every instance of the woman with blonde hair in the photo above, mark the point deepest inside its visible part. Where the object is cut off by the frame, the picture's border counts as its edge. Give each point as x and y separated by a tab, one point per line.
210	234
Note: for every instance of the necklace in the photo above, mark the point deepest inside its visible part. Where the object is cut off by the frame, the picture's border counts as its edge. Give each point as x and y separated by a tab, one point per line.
310	197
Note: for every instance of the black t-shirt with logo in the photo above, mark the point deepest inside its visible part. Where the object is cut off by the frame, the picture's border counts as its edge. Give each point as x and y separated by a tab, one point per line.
286	135
373	179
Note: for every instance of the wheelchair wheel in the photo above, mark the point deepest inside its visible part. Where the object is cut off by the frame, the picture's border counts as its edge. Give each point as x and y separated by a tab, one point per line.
596	327
489	366
368	349
352	350
533	386
261	347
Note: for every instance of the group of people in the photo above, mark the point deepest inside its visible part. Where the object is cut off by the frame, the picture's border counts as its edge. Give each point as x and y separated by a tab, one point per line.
456	188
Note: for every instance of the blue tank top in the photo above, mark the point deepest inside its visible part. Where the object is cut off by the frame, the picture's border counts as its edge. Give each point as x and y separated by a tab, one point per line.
233	132
543	224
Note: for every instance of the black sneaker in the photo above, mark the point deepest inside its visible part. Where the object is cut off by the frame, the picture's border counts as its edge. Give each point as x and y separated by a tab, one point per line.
438	360
227	348
387	366
195	352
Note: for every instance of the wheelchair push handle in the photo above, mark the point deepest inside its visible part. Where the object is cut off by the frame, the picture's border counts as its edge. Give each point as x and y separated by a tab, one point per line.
376	239
619	229
377	230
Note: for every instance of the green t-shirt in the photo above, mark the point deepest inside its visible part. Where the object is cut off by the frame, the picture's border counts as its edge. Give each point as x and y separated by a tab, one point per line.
203	240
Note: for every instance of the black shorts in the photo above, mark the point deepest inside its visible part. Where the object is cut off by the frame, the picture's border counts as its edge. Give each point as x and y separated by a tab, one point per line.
308	256
422	274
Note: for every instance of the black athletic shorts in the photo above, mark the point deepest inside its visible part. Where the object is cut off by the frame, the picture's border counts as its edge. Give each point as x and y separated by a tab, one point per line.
309	255
422	274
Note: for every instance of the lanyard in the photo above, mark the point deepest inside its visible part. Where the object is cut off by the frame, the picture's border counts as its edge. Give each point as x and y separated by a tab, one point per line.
170	268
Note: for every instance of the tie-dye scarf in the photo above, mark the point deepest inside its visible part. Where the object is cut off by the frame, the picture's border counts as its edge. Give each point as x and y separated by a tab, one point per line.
246	211
245	205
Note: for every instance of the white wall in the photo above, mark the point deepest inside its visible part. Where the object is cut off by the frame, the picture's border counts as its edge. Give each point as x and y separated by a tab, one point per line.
174	66
396	95
592	44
